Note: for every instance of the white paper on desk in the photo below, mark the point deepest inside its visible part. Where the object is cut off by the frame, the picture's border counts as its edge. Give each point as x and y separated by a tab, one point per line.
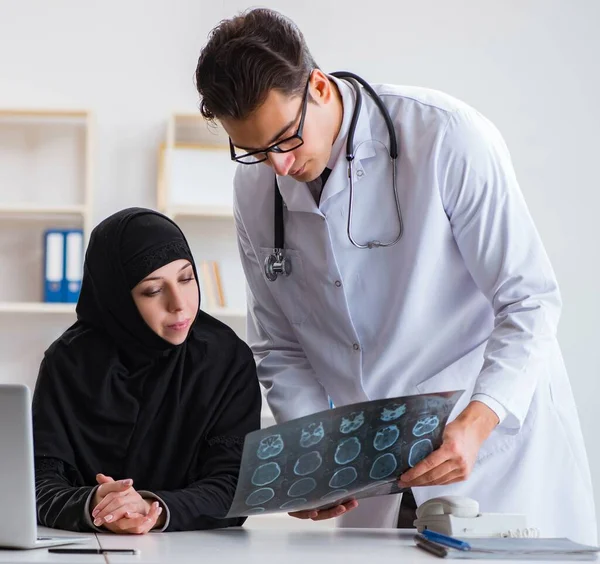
348	452
529	545
522	549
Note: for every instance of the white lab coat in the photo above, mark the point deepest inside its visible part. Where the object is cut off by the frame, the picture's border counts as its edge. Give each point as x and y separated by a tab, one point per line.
466	300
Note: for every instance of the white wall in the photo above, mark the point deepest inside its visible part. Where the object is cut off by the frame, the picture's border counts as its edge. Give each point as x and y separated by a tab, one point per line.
529	65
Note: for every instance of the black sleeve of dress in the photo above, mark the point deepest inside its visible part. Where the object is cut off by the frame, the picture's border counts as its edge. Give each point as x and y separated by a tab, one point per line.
204	503
60	504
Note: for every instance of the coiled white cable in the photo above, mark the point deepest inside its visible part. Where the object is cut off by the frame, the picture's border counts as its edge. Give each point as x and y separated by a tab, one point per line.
527	533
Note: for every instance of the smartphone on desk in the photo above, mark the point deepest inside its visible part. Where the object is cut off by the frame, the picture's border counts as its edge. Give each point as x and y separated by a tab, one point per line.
131	551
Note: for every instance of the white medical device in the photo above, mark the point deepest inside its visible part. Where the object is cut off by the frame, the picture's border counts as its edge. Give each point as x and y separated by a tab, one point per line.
458	516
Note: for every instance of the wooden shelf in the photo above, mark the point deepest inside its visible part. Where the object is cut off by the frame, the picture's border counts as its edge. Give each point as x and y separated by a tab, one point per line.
44	118
194	128
36	307
195	189
225	312
43	113
194	116
200	211
42	307
195	146
41	210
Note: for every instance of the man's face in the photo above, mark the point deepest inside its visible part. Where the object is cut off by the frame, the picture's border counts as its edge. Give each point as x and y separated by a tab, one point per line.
277	119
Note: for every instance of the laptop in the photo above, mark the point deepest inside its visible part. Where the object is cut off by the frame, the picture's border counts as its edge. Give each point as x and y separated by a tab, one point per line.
18	525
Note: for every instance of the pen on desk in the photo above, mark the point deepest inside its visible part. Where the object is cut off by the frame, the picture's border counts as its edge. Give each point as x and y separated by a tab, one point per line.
431	547
445	540
94	551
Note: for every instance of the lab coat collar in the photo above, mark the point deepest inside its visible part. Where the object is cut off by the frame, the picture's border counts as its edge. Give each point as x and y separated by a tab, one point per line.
296	195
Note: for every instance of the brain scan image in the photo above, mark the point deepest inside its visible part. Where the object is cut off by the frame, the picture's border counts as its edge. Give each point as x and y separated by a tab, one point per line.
419	451
343	477
346	451
308	463
312	435
269	447
352	422
255	510
383	466
425	426
393	412
335	494
386	437
373	486
293	504
302	487
258	497
266	473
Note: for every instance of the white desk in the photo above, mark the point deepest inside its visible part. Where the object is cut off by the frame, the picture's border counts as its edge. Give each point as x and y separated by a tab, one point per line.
42	555
260	546
248	546
278	546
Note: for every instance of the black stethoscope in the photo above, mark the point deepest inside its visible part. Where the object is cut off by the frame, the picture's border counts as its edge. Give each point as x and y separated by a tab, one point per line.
277	263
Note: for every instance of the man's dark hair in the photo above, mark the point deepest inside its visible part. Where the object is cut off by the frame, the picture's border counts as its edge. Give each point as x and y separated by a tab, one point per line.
248	56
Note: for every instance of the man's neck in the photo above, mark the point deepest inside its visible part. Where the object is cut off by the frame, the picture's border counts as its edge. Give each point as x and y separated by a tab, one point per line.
337	111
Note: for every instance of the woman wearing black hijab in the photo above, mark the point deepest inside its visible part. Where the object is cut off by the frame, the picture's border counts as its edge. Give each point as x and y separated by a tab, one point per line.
145	394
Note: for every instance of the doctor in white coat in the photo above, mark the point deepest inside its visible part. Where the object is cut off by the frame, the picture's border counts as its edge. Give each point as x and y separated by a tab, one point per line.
465	299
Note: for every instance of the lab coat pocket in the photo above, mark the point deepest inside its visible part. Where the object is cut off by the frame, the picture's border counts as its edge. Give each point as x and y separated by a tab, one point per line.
459	375
290	292
462	375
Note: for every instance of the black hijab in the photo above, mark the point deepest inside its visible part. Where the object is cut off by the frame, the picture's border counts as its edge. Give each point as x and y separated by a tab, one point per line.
123	250
114	397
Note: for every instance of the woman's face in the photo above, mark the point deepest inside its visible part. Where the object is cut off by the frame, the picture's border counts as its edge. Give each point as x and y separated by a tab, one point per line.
168	300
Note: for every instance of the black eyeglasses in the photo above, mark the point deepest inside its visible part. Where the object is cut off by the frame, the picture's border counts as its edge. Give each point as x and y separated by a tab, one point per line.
285	146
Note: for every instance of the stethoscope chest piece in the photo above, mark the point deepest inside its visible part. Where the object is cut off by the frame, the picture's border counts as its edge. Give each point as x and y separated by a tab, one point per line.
277	264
